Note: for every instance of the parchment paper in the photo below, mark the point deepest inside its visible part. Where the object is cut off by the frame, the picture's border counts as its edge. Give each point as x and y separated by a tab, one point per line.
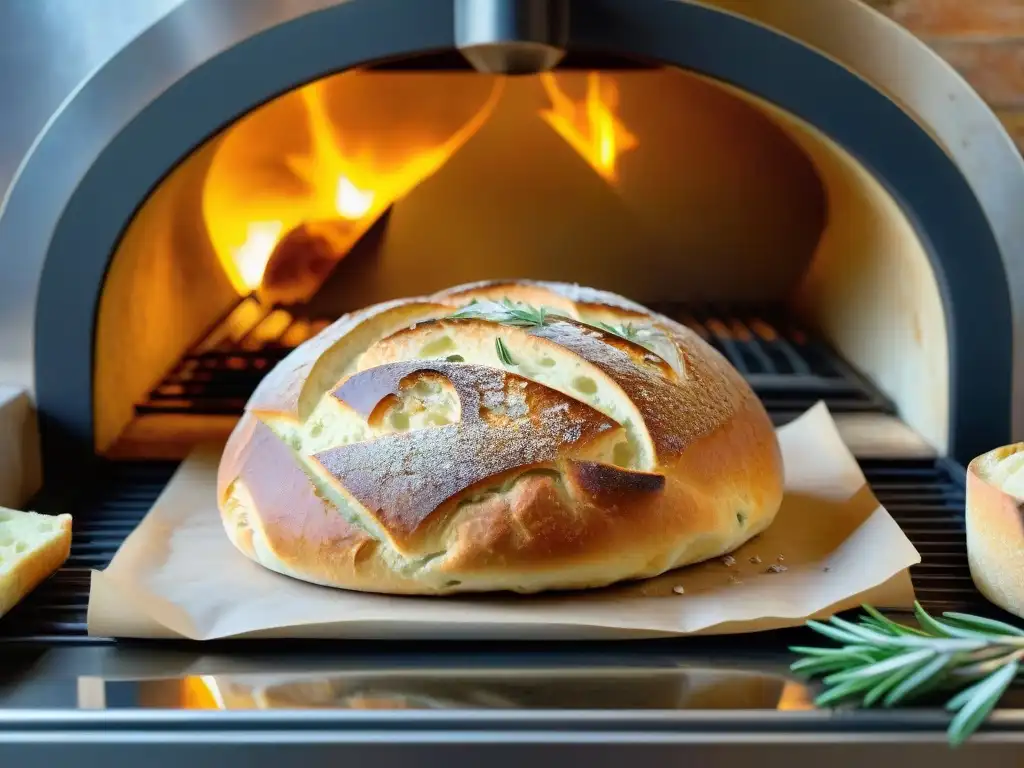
831	547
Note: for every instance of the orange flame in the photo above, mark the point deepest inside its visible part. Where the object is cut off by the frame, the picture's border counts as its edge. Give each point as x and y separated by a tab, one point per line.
200	692
795	697
251	257
355	187
591	127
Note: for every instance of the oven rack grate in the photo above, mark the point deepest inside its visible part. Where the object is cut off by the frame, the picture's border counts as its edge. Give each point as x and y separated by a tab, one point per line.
925	496
787	366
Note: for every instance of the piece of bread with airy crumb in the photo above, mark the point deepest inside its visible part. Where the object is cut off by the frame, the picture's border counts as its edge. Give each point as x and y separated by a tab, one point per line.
32	547
508	435
995	525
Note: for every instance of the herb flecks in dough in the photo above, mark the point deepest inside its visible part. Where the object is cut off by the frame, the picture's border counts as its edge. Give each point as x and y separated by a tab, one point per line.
503	354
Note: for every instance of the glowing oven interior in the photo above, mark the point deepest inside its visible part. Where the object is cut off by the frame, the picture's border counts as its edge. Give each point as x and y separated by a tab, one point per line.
368	185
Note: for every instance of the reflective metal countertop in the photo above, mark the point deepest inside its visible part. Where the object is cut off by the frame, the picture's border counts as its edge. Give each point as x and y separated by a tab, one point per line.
465	704
390	676
742	672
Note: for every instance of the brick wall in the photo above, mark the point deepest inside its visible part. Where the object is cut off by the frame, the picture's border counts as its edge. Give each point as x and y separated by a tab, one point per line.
983	39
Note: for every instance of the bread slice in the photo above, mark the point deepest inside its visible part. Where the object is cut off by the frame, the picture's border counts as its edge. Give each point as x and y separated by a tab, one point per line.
32	546
995	526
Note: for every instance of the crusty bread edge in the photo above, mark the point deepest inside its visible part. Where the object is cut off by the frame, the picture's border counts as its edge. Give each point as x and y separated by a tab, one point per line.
995	539
36	568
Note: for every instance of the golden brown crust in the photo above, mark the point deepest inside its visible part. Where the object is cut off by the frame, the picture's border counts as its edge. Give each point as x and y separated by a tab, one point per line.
303	531
995	532
490	456
507	423
326	355
676	413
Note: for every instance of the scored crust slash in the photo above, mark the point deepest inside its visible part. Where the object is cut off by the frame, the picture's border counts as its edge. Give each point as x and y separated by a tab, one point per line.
507	435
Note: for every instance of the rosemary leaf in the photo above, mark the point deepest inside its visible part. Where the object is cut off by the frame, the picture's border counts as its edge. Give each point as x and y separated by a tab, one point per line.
507	313
626	331
918	681
819	665
983	624
503	354
844	690
956	703
883	667
849	650
890	682
989	665
978	707
876	626
891	626
939	628
879	617
864	634
834	633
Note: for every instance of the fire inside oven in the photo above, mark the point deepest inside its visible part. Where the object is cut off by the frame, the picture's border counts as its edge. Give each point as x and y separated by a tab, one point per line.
375	184
675	190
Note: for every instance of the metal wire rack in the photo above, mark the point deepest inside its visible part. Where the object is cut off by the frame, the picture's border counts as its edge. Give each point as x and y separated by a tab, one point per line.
787	366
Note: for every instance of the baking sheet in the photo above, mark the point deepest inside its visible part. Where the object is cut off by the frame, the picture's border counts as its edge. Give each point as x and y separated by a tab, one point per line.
831	547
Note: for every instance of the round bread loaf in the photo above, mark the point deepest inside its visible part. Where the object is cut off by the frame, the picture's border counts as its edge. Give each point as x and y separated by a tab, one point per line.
516	435
995	526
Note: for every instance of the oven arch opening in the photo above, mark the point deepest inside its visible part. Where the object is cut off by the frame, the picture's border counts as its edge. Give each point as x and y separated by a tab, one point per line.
931	191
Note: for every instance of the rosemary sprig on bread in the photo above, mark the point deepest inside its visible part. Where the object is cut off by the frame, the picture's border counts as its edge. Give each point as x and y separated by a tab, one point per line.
507	313
627	331
521	315
881	662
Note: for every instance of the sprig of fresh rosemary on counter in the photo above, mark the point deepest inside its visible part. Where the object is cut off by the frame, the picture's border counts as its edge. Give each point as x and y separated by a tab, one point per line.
882	662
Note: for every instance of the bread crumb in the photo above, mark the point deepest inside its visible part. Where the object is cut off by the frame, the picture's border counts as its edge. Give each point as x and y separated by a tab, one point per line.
780	559
776	569
734	579
678	589
729	561
755	560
